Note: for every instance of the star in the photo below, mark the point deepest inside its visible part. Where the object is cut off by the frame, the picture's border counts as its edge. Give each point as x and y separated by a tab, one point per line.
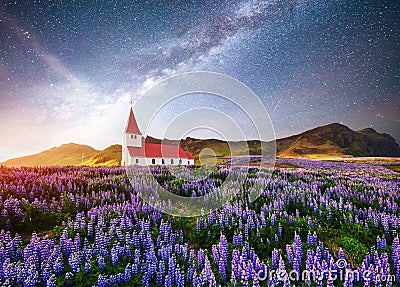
306	60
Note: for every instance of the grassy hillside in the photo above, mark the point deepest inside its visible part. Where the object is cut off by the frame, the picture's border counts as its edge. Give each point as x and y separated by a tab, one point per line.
67	154
333	140
338	140
111	156
70	154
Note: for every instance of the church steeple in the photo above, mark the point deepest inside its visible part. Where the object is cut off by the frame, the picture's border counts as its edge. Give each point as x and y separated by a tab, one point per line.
131	125
132	137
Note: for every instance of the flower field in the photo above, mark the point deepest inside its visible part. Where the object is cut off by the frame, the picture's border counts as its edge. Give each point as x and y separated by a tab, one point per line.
322	224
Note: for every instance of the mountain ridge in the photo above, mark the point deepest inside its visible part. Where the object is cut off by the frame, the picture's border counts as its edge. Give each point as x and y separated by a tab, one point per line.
335	139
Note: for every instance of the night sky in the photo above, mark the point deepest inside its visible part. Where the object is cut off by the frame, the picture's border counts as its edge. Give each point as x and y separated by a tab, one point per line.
68	69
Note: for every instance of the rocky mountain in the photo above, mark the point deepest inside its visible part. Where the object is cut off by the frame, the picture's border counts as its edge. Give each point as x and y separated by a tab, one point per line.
338	140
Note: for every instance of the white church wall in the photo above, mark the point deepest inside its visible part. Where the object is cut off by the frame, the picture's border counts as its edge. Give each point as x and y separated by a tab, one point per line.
133	140
159	161
137	160
123	157
167	161
126	159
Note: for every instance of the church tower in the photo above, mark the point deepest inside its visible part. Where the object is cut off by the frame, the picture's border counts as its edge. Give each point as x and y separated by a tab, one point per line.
131	137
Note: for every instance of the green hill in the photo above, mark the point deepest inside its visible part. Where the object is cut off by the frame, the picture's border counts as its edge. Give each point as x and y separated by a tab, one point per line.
338	140
66	154
111	156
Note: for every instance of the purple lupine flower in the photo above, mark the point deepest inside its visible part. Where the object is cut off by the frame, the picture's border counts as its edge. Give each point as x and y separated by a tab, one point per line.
296	265
136	262
222	270
385	223
311	239
161	273
381	242
215	254
87	267
168	281
200	259
289	252
74	262
68	276
171	268
126	277
180	278
101	263
51	282
102	281
275	259
298	248
223	249
279	229
237	239
58	266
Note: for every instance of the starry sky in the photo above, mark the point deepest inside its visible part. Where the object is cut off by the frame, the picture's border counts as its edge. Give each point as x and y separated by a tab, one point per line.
68	69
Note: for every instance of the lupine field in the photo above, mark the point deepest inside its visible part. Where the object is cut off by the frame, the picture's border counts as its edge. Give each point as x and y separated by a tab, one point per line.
82	226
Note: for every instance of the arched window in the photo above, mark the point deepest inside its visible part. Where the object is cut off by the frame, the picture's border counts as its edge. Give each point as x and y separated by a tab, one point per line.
153	161
163	161
172	161
188	162
131	136
137	160
180	161
135	136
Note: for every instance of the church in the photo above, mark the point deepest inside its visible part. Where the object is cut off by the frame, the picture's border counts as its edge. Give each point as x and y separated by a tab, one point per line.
135	150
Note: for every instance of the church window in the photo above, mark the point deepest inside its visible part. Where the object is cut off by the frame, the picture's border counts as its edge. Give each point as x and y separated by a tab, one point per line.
153	161
137	160
180	161
172	161
163	161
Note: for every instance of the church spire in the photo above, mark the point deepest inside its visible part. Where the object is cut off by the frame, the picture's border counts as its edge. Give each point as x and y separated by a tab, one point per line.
131	125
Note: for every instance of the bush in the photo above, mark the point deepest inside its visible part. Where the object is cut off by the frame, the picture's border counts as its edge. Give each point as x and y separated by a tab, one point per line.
353	248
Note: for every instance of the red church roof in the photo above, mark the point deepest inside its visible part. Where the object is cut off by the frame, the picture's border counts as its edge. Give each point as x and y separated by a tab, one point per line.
131	125
159	150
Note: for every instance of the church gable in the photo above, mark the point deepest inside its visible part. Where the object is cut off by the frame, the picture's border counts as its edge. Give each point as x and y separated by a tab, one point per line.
131	125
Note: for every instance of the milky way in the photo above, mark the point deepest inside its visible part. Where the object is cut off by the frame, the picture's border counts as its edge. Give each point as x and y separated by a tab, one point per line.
68	69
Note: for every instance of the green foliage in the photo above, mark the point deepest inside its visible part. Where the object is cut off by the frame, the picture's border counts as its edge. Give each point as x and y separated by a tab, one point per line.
353	238
355	249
